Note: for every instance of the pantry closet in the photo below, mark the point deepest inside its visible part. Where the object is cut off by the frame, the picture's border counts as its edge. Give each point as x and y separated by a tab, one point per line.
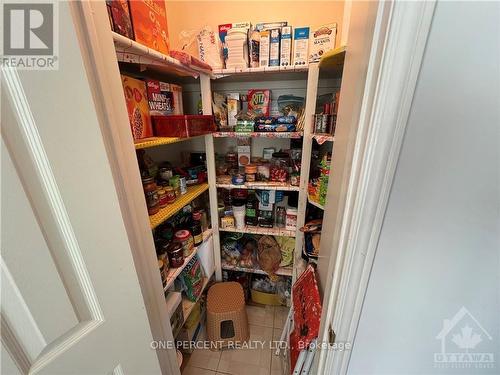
219	189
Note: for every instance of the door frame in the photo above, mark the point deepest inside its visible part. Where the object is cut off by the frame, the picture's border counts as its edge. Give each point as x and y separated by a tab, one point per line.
98	52
398	47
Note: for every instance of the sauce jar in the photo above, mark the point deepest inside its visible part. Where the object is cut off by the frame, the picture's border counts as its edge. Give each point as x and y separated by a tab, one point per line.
279	167
175	254
151	193
186	240
169	194
196	229
162	198
250	172
175	182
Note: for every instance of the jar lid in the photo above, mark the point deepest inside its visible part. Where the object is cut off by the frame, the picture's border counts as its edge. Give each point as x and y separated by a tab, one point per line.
250	168
147	180
197	215
280	155
182	234
168	188
174	246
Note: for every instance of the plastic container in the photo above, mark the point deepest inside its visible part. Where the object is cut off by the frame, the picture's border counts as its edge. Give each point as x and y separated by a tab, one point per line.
279	167
239	209
291	218
237	48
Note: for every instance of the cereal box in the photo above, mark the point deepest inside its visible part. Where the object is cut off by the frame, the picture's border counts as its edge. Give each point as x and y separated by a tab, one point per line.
264	48
259	101
286	46
137	107
150	24
322	40
120	16
160	97
300	45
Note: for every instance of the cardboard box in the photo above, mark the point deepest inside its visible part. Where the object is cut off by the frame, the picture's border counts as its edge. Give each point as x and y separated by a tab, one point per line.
150	24
137	107
178	103
243	155
233	107
286	46
274	47
270	25
120	16
259	101
264	48
160	98
322	40
301	46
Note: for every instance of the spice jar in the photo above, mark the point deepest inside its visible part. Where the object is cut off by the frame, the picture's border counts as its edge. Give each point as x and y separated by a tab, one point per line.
186	240
169	194
175	254
151	193
196	229
250	172
162	198
279	167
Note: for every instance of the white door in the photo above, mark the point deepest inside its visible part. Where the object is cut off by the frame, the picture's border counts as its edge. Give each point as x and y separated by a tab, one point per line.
71	301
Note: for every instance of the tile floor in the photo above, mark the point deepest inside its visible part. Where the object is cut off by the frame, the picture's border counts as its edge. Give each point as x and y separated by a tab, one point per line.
266	323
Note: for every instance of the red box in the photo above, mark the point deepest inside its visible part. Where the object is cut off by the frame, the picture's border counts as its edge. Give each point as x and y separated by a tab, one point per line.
183	125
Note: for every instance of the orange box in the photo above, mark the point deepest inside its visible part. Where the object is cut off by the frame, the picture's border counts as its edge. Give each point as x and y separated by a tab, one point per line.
149	19
137	107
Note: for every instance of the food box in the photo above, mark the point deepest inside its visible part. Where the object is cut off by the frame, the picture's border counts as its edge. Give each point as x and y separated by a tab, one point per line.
178	103
259	101
270	25
264	48
233	107
286	46
274	47
223	32
244	126
243	155
120	17
322	41
160	98
300	45
150	24
137	107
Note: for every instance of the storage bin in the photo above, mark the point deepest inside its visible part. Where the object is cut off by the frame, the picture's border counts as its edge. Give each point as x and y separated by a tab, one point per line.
265	298
182	126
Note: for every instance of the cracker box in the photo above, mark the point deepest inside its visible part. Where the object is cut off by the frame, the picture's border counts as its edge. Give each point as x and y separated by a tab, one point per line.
120	16
150	24
160	98
322	40
274	47
300	46
137	107
259	101
286	46
264	48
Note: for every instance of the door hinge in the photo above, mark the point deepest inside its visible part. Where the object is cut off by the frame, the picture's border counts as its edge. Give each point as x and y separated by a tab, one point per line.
331	335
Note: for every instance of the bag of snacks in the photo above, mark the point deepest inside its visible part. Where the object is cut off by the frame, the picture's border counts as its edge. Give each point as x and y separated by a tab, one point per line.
269	255
192	279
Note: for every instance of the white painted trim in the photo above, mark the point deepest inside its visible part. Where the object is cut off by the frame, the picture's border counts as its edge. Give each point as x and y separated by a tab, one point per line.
346	20
98	53
386	106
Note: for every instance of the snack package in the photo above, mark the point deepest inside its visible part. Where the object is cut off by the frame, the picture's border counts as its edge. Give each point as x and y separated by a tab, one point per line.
219	109
160	98
137	107
120	15
150	24
322	40
259	101
209	48
192	279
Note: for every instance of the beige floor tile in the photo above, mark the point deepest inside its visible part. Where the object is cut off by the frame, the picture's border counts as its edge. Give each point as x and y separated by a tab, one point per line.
204	358
280	315
249	361
261	315
197	371
276	361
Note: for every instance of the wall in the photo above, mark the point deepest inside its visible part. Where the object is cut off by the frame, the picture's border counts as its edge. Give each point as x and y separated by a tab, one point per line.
189	15
439	246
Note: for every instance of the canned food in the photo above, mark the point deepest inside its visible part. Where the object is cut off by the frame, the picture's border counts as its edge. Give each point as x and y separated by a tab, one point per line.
183	185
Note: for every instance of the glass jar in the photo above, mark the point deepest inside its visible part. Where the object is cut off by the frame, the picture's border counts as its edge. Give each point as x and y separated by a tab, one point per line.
263	172
162	198
175	182
280	217
186	240
175	254
196	230
151	193
279	167
169	194
250	172
237	177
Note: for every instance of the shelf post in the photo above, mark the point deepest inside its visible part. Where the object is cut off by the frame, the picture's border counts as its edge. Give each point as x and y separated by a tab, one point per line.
310	109
206	100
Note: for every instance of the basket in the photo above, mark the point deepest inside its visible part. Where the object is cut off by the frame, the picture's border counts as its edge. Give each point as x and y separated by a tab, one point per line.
182	126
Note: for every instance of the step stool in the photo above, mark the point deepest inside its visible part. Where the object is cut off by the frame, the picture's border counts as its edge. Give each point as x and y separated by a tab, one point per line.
227	322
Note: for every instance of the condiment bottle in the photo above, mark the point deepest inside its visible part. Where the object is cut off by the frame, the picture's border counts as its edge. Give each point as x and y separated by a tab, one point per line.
151	193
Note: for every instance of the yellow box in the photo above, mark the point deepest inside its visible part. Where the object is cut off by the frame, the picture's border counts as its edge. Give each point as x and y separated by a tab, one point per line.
265	298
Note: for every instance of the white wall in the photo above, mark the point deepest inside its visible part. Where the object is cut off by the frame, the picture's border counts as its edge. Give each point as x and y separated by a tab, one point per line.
440	243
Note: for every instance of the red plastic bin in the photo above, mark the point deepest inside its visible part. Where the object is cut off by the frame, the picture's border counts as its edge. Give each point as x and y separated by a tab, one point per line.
183	125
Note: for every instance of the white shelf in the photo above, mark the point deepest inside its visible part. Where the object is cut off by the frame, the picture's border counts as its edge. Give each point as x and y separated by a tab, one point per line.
220	73
281	232
282	186
173	273
187	305
257	134
282	271
128	50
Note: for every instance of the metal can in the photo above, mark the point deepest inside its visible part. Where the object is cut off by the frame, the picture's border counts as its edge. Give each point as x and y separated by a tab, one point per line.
183	185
